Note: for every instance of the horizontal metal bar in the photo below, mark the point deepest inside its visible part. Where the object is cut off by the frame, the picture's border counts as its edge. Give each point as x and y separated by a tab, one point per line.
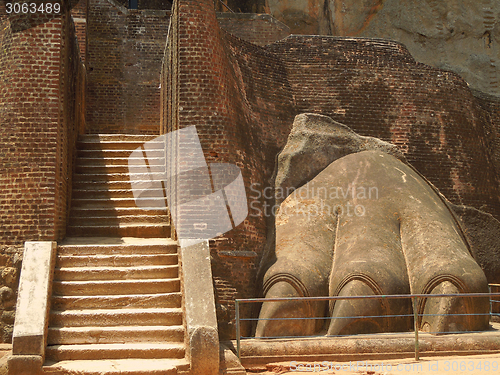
329	317
381	296
478	314
365	336
359	317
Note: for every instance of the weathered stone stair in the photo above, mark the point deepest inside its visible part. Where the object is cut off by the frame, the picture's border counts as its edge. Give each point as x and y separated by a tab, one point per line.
102	202
116	308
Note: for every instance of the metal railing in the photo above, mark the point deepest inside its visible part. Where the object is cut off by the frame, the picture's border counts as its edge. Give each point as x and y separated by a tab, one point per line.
492	301
414	297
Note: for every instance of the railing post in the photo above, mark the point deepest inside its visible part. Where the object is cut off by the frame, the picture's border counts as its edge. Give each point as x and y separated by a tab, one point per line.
237	318
415	327
491	302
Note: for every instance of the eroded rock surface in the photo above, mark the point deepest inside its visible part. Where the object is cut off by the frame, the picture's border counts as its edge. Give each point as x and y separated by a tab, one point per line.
457	35
313	143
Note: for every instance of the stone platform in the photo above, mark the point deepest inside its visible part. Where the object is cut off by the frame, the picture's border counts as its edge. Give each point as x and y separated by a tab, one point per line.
256	352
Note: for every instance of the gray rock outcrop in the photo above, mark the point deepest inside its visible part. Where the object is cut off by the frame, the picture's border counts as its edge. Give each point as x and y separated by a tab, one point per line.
461	36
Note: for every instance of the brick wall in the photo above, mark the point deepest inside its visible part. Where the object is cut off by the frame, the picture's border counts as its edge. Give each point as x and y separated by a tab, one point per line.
124	55
260	29
491	109
231	126
79	13
41	110
72	81
376	88
243	99
29	108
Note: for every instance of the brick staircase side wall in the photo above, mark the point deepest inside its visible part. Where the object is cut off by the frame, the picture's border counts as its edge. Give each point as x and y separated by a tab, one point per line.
79	13
41	112
124	56
240	106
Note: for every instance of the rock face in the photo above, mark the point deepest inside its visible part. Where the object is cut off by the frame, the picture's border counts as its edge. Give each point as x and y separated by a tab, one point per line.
457	35
312	17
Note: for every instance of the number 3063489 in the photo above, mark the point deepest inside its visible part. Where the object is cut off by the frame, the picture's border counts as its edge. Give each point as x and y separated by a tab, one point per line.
33	8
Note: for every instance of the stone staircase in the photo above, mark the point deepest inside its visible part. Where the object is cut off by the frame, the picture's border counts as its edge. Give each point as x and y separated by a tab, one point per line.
103	203
116	308
116	303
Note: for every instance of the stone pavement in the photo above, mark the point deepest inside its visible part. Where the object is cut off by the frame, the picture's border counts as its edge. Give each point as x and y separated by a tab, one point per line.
454	365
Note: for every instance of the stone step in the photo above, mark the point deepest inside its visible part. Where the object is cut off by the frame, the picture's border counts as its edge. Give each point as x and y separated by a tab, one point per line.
91	144
114	351
115	273
106	193
115	177
115	260
121	230
113	211
117	202
99	221
118	161
117	367
115	153
111	246
117	334
116	137
137	168
100	185
157	300
116	317
105	287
